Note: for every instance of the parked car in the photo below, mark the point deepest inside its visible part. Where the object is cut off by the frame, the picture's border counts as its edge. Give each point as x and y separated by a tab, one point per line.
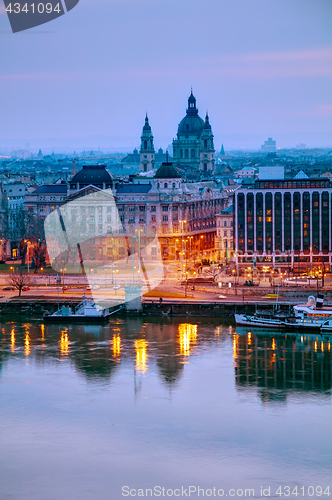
9	288
25	288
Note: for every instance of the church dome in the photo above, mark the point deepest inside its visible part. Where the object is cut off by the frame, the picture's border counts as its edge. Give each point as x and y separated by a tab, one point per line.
167	171
191	124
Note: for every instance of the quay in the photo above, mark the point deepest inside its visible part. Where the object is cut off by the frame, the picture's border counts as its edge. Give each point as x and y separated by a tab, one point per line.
189	308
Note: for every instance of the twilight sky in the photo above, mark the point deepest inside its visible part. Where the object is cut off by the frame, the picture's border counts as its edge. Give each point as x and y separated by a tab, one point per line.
261	67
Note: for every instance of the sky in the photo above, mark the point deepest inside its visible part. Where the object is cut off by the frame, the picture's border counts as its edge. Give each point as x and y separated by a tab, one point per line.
86	79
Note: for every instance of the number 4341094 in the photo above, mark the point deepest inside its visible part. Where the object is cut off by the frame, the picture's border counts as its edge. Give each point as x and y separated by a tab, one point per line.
308	491
16	8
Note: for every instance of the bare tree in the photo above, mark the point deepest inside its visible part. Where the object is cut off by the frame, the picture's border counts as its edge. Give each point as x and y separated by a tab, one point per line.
213	271
19	280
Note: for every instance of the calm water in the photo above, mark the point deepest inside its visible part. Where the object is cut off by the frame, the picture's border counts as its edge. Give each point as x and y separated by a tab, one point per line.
87	410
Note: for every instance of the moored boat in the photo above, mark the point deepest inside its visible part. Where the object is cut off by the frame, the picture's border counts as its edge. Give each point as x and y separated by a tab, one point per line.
86	311
260	320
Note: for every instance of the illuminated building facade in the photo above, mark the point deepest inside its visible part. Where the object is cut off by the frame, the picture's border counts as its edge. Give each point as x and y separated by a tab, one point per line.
183	215
224	237
284	223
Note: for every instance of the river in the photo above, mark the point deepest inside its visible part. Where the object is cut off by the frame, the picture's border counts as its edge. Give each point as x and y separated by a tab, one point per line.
162	407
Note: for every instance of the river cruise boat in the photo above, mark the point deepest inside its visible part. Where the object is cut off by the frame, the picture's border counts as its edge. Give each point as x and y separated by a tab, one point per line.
86	312
278	322
314	309
260	320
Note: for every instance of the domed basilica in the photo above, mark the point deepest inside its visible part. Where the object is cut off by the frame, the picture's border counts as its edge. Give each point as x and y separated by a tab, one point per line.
193	148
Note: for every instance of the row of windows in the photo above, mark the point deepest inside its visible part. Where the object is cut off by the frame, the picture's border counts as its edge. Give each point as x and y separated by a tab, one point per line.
305	226
292	184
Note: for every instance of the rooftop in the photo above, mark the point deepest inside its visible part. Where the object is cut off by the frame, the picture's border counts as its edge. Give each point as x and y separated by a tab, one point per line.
133	188
51	189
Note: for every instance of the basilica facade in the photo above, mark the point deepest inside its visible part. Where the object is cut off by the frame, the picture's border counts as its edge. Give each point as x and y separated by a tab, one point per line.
193	148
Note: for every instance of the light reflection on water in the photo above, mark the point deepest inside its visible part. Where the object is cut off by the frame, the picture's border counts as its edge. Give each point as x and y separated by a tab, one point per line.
160	402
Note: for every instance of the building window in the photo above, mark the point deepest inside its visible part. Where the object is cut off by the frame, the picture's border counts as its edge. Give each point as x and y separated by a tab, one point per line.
165	208
181	153
153	218
325	222
250	224
277	221
153	208
186	153
193	153
205	143
165	218
225	223
175	208
165	185
315	222
142	208
268	223
287	222
225	234
240	229
297	221
306	222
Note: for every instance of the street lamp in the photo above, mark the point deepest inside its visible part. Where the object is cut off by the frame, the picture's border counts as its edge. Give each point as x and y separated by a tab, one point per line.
28	246
202	245
63	279
190	238
182	222
11	267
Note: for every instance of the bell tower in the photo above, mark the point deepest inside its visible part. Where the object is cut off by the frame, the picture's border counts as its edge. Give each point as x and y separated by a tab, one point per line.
207	151
147	148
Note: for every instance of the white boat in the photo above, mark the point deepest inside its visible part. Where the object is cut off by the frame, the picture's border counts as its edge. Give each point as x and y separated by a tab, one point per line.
314	309
326	326
86	310
261	320
275	322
